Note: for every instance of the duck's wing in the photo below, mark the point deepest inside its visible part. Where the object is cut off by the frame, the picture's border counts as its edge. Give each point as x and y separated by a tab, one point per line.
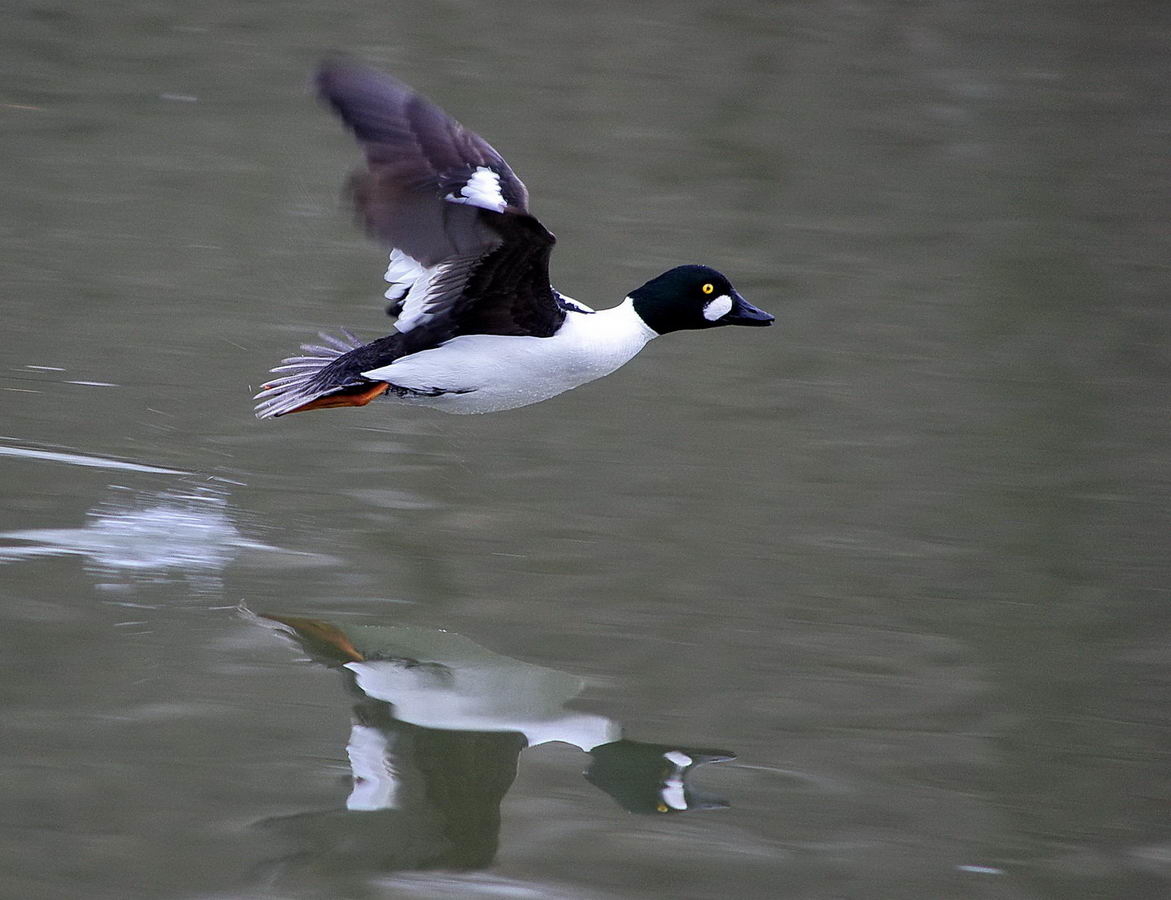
464	245
467	257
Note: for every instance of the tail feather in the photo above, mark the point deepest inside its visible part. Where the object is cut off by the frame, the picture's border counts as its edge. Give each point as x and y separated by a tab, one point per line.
344	344
306	379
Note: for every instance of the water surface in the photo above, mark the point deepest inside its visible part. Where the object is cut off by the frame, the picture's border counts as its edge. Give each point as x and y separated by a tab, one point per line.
904	554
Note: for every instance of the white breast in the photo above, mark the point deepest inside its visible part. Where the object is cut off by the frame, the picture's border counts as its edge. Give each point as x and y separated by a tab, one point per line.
487	373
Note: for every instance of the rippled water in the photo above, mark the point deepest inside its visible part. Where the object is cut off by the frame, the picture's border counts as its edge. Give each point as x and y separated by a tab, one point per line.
903	556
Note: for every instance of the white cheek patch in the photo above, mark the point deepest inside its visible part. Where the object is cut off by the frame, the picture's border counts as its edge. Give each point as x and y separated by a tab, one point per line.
481	189
717	308
673	793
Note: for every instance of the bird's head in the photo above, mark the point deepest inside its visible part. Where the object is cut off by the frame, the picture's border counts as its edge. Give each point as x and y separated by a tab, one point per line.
693	297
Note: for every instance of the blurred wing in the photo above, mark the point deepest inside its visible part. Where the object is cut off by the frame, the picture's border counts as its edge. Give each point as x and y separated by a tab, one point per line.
447	203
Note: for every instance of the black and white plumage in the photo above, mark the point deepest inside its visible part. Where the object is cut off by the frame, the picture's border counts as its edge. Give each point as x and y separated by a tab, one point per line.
479	326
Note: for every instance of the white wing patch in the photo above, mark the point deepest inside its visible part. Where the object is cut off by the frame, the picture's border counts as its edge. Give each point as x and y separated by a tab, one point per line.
410	281
482	189
410	286
717	308
401	274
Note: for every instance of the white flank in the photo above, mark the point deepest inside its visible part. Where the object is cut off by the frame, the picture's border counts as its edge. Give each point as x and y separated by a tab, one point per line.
717	308
488	372
678	757
481	189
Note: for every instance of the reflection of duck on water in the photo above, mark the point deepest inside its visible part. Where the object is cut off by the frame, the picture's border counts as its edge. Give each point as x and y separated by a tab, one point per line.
437	730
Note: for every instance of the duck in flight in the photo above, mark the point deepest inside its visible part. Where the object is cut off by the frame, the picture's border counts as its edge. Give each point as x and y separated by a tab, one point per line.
479	326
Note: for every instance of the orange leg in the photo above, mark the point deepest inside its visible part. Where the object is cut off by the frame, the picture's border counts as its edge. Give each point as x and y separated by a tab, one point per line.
357	398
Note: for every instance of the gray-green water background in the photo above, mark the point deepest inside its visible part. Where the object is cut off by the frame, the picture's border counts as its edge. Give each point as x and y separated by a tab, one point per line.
905	553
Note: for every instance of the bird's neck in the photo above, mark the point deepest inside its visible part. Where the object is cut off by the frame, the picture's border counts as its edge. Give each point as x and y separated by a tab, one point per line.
623	319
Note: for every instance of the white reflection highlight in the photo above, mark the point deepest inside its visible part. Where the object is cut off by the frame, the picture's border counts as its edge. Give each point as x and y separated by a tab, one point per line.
453	683
151	537
92	462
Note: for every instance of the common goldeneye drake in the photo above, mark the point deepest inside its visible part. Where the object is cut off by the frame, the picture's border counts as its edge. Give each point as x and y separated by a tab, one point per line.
479	327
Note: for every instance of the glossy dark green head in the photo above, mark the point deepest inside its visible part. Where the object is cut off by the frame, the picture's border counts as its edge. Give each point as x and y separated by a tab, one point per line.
694	297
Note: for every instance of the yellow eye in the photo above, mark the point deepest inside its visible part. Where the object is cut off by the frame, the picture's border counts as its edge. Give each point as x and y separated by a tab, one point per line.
708	288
